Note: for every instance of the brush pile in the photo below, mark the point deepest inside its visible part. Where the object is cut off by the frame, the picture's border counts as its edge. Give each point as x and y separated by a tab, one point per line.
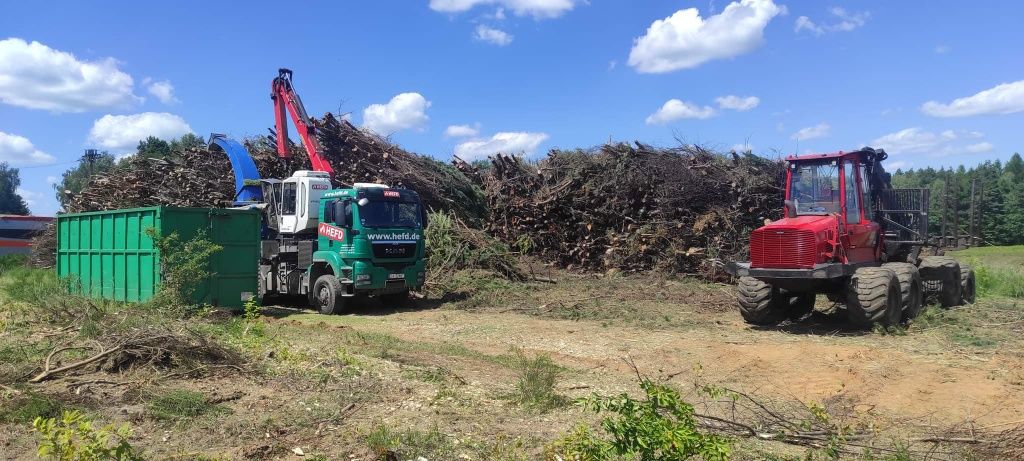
203	178
630	207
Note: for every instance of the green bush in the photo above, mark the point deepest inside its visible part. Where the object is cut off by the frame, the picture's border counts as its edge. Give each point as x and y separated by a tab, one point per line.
72	437
659	427
535	386
184	266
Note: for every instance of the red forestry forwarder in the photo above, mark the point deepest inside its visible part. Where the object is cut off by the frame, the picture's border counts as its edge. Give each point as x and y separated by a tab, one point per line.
849	235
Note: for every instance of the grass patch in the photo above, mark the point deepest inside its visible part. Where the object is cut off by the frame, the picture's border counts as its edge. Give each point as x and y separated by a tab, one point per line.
181	405
999	271
23	409
535	384
387	442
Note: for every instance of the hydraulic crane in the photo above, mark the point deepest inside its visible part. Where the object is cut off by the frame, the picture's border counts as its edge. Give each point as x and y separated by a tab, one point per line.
286	99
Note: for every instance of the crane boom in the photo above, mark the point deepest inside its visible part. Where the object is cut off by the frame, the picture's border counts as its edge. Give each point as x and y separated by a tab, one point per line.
286	99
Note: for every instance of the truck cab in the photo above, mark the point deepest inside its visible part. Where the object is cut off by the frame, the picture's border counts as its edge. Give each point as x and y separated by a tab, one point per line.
366	240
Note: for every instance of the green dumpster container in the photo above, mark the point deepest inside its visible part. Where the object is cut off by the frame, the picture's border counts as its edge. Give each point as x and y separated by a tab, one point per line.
110	256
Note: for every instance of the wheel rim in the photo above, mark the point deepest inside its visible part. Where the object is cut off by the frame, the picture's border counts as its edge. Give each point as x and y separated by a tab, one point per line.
323	297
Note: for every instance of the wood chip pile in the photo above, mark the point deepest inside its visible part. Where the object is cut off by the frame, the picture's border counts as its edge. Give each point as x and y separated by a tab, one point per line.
630	207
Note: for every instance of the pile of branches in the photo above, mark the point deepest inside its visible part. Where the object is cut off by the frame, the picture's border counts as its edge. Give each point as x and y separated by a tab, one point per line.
192	178
630	207
154	347
203	177
359	155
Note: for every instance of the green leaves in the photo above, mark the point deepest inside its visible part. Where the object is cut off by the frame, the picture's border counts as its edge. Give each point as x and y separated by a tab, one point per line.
72	437
659	427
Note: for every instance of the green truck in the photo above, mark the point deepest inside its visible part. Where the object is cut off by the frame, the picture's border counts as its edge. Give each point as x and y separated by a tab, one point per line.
361	241
327	245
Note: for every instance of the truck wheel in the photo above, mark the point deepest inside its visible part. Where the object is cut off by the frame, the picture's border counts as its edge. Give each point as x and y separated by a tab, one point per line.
911	297
874	297
944	272
327	295
967	284
759	302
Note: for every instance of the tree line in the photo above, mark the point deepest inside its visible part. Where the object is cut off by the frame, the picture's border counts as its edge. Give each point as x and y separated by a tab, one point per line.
999	198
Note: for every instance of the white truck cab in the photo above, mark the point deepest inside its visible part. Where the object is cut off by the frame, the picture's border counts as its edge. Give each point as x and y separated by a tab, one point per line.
298	200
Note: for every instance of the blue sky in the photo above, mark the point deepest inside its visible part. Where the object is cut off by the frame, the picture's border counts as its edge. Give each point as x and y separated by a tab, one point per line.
935	83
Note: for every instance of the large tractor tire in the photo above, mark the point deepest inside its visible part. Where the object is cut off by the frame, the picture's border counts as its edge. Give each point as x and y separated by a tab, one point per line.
874	297
762	304
967	284
941	274
328	295
911	292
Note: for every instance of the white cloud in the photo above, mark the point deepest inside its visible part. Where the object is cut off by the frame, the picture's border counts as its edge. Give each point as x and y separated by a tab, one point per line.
674	109
121	133
51	180
406	111
893	166
941	49
31	198
462	131
820	130
844	22
539	9
36	76
1006	98
739	103
504	142
741	148
18	151
918	141
163	90
491	35
686	40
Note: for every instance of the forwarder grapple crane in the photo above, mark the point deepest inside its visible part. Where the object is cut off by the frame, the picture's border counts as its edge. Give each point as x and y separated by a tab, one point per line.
849	235
287	100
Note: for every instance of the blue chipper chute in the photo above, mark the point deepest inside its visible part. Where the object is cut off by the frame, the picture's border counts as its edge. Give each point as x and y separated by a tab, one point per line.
247	177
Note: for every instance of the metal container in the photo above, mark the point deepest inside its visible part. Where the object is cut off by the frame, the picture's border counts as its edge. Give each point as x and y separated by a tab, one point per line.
108	254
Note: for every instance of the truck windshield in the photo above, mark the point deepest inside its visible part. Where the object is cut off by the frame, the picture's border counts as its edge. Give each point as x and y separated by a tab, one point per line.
814	188
381	213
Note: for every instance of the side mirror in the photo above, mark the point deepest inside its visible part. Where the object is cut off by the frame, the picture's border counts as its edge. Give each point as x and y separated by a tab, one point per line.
340	218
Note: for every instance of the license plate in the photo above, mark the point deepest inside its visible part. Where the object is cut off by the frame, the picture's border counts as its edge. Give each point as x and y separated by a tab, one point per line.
396	276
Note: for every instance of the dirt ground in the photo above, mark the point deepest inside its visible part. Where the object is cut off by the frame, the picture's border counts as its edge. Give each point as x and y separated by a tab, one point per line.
437	374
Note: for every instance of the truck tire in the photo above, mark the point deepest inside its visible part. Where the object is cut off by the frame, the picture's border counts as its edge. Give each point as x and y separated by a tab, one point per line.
942	275
911	295
327	295
759	303
967	284
874	297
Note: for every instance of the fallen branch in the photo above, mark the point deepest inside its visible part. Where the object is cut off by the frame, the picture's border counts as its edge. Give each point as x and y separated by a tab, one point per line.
47	373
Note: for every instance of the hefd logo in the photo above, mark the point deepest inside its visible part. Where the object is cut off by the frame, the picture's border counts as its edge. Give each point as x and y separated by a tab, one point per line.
331	232
392	194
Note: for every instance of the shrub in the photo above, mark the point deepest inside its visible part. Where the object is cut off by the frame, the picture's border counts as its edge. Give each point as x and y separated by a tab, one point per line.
184	266
999	281
659	427
535	387
72	437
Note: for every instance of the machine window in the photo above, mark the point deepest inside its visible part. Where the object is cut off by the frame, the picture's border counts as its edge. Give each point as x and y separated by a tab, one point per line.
390	214
814	188
852	197
288	198
865	189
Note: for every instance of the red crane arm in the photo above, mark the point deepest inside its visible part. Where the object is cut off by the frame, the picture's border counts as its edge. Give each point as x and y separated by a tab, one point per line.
285	98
